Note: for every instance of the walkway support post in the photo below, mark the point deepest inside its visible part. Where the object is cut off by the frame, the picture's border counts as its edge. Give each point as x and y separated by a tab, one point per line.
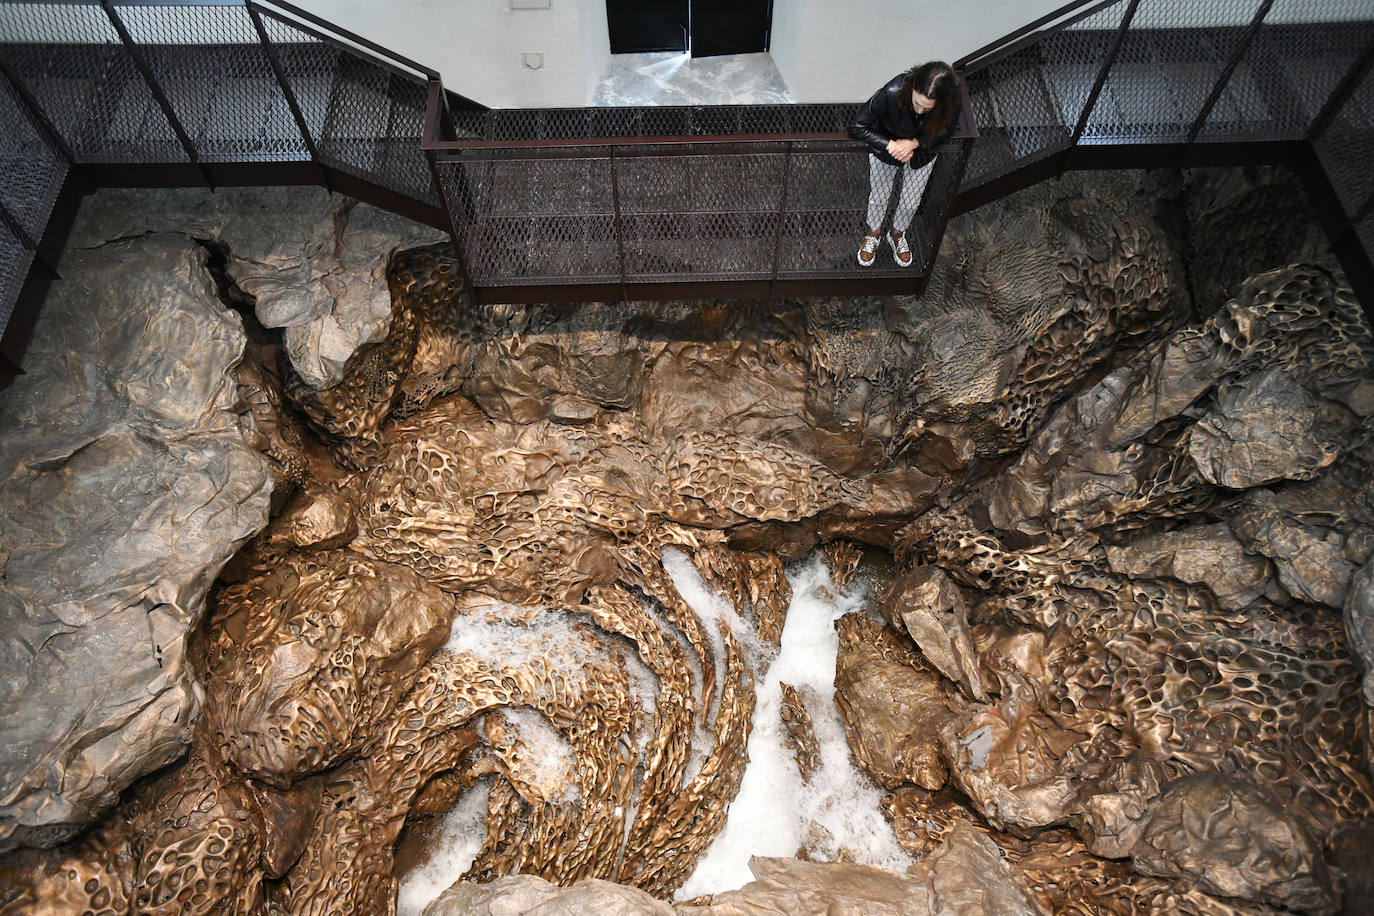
1101	80
156	89
271	51
1215	95
436	91
782	216
29	243
1344	89
34	112
619	228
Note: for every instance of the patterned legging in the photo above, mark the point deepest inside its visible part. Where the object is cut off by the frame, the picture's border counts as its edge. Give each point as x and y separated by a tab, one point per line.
880	180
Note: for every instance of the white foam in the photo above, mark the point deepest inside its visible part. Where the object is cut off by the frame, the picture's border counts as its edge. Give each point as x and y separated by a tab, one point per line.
713	612
547	759
504	636
460	839
772	813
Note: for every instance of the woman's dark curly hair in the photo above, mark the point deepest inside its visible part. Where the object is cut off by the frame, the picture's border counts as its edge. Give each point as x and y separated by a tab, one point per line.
937	81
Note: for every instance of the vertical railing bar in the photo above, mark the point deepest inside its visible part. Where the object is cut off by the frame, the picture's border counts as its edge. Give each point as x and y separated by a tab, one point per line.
1365	209
1103	72
331	108
392	104
29	244
782	216
432	158
448	127
34	112
155	89
1236	57
619	227
277	70
1346	87
10	365
924	279
16	229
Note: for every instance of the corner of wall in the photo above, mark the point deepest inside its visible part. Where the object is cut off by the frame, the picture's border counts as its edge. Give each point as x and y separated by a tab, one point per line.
596	45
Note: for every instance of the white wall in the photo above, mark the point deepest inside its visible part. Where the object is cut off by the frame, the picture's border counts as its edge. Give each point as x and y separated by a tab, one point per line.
596	45
477	45
843	50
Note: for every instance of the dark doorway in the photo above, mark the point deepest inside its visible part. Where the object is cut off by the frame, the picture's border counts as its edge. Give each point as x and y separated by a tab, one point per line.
647	25
730	26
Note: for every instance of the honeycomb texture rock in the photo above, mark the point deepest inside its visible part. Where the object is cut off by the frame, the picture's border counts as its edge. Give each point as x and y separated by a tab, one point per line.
1105	673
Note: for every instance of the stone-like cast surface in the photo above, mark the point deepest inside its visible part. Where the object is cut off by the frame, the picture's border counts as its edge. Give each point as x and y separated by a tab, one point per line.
1268	429
315	262
125	484
531	894
1359	623
1208	556
967	874
892	706
1234	840
928	606
1115	509
333	642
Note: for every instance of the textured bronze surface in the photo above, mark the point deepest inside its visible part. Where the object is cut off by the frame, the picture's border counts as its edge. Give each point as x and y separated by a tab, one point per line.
1109	676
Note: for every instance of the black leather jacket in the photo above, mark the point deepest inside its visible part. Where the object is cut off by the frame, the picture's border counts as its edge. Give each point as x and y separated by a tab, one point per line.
882	118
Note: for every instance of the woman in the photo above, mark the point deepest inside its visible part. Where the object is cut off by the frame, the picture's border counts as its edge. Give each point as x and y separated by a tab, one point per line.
904	122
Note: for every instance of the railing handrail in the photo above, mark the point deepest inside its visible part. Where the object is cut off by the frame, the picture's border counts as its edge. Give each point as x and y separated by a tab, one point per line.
432	140
338	32
1026	29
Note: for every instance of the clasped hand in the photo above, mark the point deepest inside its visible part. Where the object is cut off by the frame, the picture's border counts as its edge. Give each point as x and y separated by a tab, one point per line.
902	150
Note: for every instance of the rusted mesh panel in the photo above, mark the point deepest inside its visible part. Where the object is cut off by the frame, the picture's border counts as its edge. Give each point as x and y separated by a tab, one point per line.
707	212
373	124
823	243
463	185
531	222
699	246
738	182
654	121
309	64
1290	70
71	60
940	191
1169	61
1026	101
1346	149
706	216
14	268
217	78
33	172
824	220
577	186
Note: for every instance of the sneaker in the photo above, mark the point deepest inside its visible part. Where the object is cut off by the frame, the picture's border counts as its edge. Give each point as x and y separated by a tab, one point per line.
868	251
901	251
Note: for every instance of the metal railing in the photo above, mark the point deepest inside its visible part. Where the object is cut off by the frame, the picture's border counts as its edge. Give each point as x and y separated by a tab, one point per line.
178	93
1180	81
762	200
769	200
591	203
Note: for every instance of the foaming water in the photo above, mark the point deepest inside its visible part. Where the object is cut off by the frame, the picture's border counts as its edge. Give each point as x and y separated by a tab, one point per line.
460	837
776	813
